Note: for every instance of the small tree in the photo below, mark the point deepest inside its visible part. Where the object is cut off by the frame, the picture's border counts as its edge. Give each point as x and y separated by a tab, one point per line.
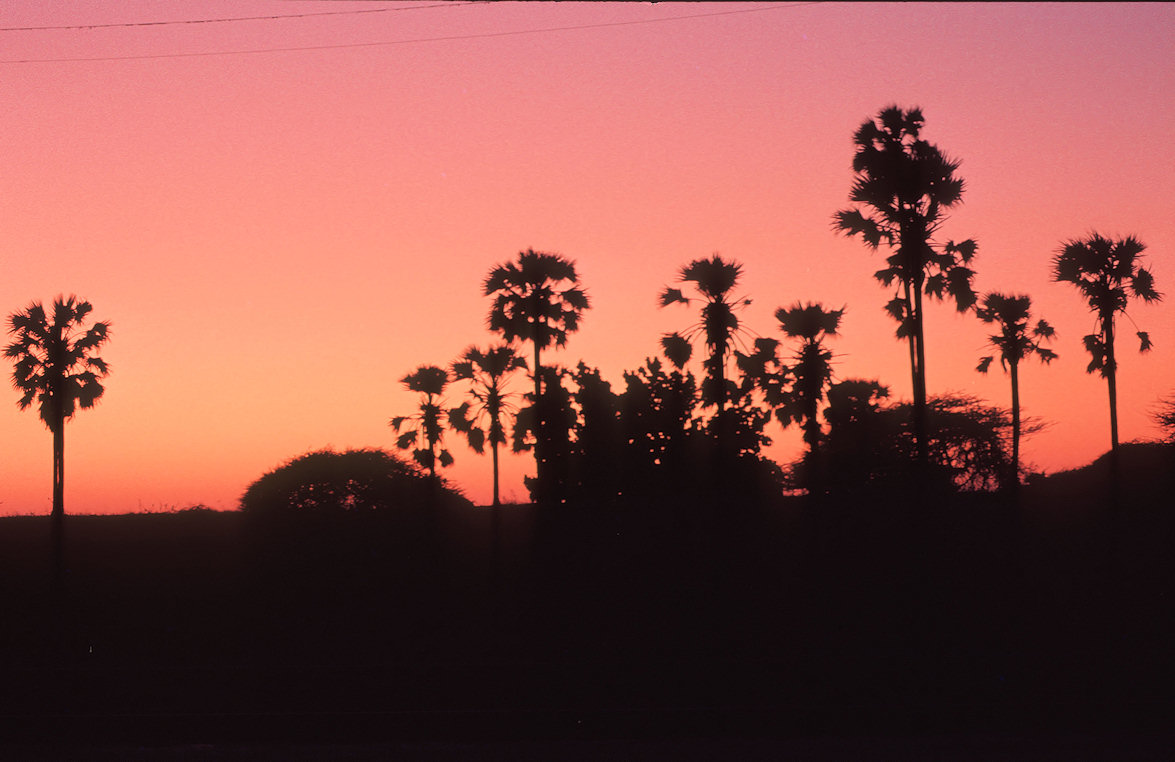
1015	341
1164	417
1100	269
483	419
812	369
425	429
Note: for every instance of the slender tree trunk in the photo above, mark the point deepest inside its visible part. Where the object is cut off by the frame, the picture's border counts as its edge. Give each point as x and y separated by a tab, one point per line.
1112	382
719	377
920	423
539	427
57	518
494	451
1015	424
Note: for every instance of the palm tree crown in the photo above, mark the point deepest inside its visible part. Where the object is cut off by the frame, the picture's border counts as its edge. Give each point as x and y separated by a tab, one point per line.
714	279
55	361
425	429
1100	269
530	302
1015	341
812	370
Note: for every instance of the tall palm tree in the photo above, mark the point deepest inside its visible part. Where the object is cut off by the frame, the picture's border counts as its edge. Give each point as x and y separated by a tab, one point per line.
904	185
714	279
536	299
56	364
425	429
487	371
1100	268
1015	341
812	370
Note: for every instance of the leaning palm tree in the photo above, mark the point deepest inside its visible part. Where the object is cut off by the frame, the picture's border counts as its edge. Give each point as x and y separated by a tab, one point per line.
482	419
536	299
1015	341
812	369
57	366
1100	268
714	279
425	430
904	185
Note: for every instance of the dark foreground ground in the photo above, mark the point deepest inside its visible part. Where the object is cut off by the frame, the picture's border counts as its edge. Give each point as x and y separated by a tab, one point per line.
1037	626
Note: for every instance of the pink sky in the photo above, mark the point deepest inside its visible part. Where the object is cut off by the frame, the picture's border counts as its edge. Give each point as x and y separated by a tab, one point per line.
279	237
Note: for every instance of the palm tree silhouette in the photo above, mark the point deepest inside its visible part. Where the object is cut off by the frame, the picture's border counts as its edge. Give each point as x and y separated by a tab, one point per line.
487	373
905	183
425	429
1015	341
56	364
1100	268
812	370
714	279
536	299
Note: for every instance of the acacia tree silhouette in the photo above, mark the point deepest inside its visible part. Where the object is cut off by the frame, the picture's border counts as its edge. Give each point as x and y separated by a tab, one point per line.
425	429
715	280
56	365
905	183
536	299
1015	341
1164	417
1099	268
487	373
811	371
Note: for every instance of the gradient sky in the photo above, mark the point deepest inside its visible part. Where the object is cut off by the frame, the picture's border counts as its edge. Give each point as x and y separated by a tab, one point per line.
278	237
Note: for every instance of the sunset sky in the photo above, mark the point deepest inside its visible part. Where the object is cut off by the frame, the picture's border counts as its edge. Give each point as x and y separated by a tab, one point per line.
283	216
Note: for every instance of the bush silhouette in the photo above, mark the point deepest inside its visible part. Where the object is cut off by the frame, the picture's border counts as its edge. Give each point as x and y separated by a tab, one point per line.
326	483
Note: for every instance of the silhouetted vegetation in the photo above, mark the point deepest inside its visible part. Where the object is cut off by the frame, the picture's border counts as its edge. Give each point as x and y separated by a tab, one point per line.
487	373
873	444
1164	417
425	429
56	365
1015	341
327	483
664	561
538	300
905	185
1100	268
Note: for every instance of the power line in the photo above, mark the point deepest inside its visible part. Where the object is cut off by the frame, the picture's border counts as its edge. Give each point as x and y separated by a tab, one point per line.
448	38
234	18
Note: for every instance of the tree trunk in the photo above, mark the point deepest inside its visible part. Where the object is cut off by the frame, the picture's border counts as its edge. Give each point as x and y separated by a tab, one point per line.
494	451
539	426
57	517
1015	424
1112	382
920	427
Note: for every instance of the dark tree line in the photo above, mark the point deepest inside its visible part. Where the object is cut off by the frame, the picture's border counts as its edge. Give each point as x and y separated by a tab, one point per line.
667	429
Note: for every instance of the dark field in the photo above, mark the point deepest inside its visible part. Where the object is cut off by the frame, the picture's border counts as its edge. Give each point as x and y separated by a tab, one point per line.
1025	625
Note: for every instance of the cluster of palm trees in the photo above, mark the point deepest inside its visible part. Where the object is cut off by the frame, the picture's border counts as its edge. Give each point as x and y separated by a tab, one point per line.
902	189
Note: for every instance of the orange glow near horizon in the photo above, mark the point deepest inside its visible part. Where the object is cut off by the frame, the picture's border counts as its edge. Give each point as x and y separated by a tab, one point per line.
279	237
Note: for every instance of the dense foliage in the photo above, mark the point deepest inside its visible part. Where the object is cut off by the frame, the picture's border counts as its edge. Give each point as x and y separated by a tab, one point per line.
328	483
